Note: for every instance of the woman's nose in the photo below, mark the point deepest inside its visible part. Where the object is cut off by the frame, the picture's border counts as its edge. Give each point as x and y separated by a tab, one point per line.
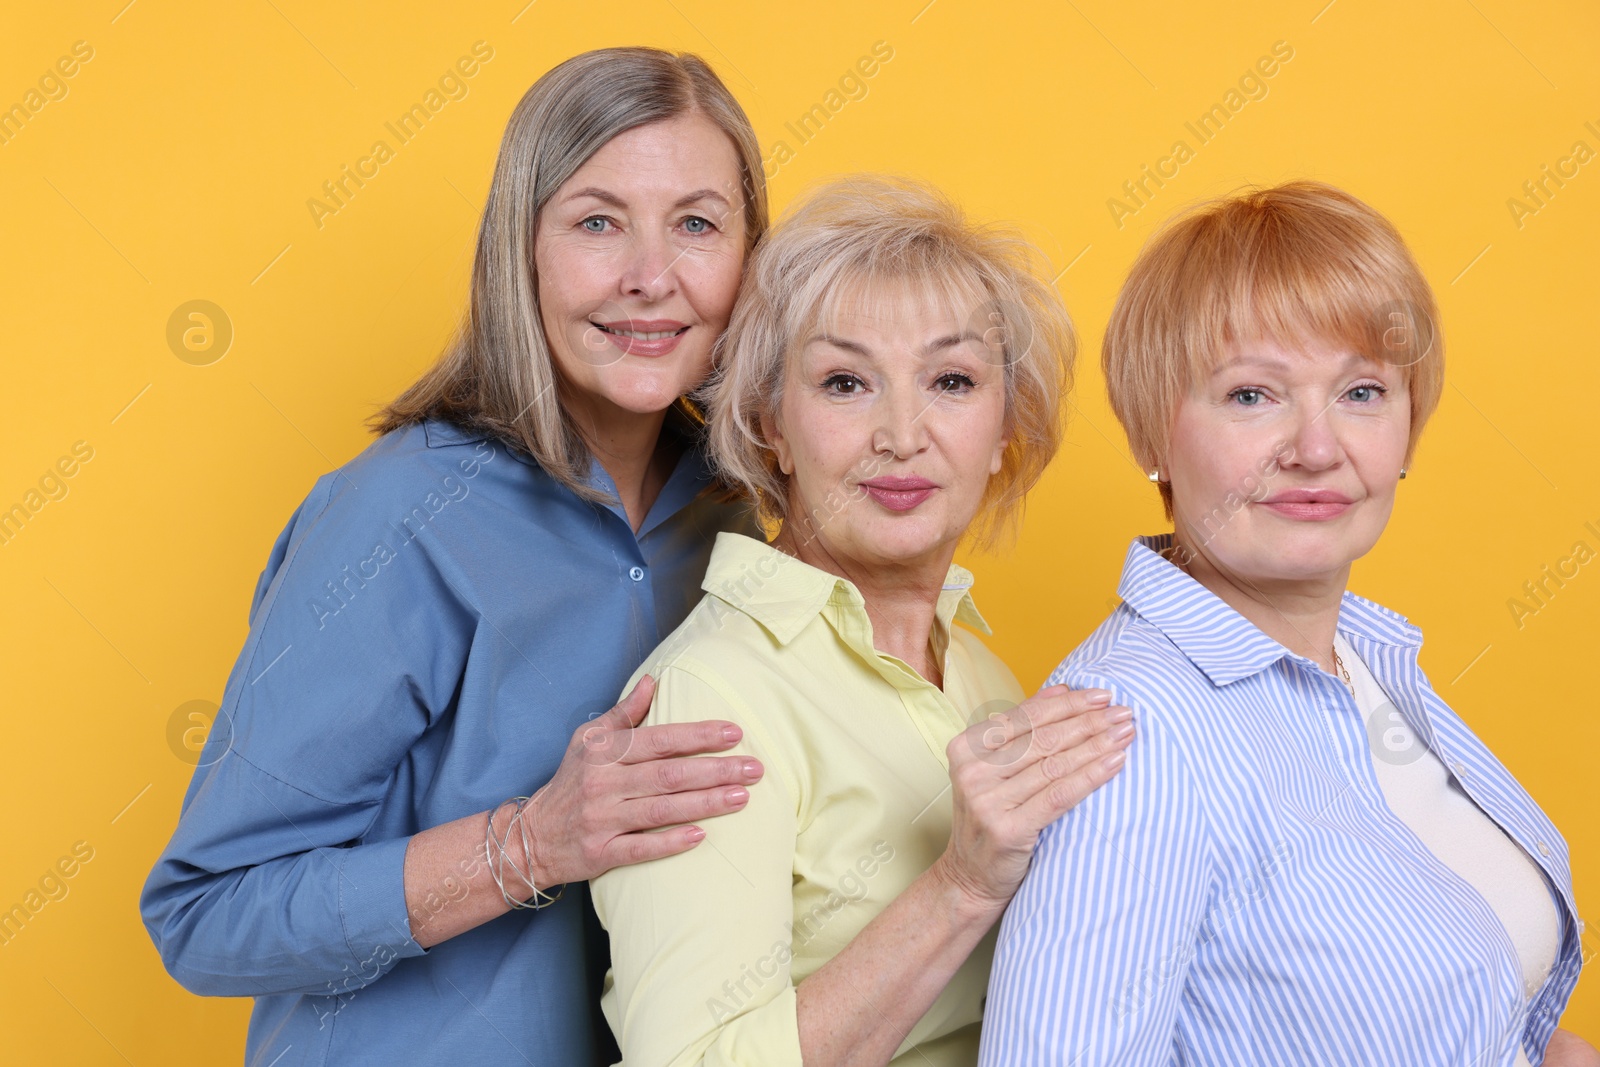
901	428
649	267
1315	441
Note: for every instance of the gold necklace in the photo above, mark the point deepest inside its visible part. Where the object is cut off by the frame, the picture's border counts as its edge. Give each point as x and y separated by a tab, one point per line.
1344	671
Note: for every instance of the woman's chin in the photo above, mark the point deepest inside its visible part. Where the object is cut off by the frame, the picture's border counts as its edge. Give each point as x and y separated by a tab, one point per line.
905	543
1287	569
650	397
1301	553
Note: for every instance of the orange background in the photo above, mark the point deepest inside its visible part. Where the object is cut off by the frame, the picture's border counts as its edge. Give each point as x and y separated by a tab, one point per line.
175	164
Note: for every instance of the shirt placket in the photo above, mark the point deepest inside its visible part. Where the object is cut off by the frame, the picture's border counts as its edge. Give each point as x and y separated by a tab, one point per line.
924	704
1405	701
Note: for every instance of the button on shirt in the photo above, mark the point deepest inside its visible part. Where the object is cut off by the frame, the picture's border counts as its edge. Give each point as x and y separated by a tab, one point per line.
1242	893
434	622
707	946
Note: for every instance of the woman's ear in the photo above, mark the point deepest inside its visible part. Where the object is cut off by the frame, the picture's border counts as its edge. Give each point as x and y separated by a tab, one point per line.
1000	453
779	444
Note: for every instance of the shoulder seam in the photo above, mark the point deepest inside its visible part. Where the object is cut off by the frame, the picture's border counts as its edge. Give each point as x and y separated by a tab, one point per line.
710	677
1190	783
248	762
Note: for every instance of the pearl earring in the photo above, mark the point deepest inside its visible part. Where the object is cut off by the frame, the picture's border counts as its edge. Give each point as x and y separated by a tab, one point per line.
1402	473
1155	474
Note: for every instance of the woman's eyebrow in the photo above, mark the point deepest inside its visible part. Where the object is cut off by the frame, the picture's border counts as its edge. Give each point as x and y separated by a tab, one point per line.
939	344
605	196
702	194
854	347
1236	364
1353	359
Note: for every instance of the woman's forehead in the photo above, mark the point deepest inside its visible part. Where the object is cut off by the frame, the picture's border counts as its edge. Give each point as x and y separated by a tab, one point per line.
1298	356
902	299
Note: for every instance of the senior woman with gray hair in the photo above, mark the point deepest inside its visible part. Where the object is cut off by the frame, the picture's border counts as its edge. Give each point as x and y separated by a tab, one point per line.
444	621
890	382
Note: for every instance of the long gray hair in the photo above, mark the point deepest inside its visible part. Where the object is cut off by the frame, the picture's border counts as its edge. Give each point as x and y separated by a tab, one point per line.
496	376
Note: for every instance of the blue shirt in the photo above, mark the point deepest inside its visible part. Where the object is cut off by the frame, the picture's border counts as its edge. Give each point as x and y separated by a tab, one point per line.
432	625
1241	893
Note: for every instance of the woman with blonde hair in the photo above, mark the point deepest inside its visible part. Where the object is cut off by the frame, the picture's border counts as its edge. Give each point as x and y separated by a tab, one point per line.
891	384
1310	857
444	622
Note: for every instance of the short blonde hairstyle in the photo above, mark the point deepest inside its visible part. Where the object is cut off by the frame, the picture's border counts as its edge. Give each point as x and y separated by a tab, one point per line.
1296	263
845	246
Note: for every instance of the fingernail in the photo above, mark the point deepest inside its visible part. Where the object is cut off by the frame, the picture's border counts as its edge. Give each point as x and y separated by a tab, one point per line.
737	795
1120	732
731	732
1098	698
1113	761
695	833
1120	715
752	769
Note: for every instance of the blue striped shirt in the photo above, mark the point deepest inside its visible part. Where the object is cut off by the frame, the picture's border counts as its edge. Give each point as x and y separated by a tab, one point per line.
1241	893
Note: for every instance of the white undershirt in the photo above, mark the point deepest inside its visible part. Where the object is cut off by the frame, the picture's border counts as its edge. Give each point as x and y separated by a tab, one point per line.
1428	800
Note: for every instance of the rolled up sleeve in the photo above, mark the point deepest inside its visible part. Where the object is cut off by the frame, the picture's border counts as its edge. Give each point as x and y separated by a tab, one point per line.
274	880
701	941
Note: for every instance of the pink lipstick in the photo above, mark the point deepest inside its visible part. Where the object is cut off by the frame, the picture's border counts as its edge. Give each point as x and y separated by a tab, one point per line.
900	493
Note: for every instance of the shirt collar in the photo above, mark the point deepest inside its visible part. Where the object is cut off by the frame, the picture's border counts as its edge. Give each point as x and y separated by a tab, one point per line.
1215	637
692	474
438	434
1364	618
784	594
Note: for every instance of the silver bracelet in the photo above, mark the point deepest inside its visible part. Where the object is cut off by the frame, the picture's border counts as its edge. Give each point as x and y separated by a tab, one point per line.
498	858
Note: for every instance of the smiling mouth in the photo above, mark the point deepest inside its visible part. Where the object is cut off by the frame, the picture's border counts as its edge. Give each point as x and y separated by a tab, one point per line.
639	335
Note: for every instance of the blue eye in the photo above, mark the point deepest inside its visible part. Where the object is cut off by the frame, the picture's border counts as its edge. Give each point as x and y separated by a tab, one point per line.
697	225
595	223
1367	393
1246	396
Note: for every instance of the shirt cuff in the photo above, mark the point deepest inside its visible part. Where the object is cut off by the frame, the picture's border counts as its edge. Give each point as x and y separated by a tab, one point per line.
372	906
768	1035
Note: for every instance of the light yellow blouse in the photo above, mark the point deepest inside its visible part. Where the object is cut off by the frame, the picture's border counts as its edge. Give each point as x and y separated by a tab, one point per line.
708	946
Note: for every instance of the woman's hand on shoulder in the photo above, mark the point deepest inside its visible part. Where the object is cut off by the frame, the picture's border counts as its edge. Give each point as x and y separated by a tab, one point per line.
619	780
1015	773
